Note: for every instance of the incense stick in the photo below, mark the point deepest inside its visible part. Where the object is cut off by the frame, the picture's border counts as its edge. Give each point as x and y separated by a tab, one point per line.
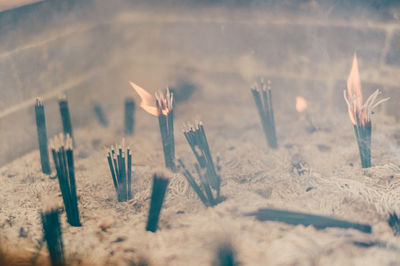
263	99
165	107
196	137
129	116
98	110
362	123
164	110
42	136
160	184
53	235
296	218
205	168
189	177
225	255
63	157
65	117
120	164
394	223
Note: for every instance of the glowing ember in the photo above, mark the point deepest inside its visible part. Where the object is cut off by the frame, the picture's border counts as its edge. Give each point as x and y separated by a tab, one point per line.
301	104
359	113
162	103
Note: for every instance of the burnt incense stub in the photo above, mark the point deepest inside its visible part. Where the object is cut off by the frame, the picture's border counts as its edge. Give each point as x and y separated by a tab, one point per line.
263	99
63	156
42	136
160	184
120	164
53	236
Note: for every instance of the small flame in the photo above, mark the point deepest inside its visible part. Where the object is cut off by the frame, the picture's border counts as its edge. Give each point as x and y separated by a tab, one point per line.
162	103
359	113
354	91
301	104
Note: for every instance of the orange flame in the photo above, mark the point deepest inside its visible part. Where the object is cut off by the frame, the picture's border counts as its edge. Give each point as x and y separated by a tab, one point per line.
301	104
354	92
359	113
152	105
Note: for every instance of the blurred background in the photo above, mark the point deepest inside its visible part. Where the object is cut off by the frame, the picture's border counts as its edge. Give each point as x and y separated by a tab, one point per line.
90	49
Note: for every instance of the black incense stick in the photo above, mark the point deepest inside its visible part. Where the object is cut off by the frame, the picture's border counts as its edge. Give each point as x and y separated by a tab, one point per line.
361	113
98	110
205	168
225	255
65	117
129	116
42	136
197	140
394	223
189	177
363	135
296	218
53	236
164	110
63	156
165	106
160	184
120	164
263	99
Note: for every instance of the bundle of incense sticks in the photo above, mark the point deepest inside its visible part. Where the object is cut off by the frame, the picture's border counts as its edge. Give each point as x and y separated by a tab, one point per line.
63	156
161	106
53	235
42	136
129	116
65	117
360	114
160	184
196	137
263	98
120	164
203	190
296	218
165	106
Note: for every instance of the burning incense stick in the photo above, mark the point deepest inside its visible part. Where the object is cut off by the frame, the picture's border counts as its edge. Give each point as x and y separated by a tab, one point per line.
360	114
64	161
98	110
65	117
120	164
42	136
160	184
296	218
53	235
129	116
263	99
162	106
